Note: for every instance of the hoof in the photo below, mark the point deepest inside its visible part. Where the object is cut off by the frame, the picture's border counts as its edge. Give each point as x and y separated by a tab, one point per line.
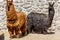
11	36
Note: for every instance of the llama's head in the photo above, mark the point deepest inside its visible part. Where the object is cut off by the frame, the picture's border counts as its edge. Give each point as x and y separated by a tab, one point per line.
51	9
51	12
51	6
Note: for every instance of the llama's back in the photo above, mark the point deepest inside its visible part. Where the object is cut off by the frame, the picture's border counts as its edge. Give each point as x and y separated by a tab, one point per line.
38	20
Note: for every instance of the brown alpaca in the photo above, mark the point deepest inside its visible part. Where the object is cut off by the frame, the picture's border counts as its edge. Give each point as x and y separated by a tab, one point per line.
16	21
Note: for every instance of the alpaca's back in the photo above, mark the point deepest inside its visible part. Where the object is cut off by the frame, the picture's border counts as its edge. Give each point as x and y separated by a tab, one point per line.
16	21
21	18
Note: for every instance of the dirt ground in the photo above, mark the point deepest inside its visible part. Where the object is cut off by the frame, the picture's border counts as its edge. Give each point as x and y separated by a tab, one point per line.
55	36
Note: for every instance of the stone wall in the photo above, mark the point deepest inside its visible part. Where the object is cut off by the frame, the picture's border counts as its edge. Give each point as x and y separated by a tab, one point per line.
27	6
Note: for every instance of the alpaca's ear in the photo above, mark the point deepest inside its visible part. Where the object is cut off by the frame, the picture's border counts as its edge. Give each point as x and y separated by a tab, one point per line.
10	0
6	0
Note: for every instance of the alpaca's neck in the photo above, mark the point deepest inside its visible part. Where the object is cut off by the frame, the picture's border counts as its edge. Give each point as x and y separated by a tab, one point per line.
11	13
51	15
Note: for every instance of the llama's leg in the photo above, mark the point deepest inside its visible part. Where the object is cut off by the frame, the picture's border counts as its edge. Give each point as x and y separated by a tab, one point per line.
29	29
42	30
17	32
29	24
45	30
11	32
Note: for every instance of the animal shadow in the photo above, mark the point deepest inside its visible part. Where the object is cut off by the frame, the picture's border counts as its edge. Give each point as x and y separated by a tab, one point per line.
2	37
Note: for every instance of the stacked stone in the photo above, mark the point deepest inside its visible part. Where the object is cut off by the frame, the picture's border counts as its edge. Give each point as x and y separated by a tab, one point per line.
40	6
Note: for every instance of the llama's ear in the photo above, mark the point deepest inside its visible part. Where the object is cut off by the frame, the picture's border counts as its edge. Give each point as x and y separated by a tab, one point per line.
53	3
49	3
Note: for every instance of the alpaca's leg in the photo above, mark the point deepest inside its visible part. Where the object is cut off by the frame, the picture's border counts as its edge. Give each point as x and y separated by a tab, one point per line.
17	32
24	30
11	32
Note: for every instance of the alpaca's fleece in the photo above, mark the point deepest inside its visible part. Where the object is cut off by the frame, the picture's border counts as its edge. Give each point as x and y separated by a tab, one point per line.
16	21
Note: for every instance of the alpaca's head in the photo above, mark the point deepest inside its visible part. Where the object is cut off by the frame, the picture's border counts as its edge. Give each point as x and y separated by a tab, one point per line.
10	11
9	4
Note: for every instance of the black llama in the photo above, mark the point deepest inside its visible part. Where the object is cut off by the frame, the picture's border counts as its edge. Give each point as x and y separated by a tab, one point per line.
39	22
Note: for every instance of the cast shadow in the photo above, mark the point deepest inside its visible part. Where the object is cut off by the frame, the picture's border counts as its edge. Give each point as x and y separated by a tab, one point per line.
2	37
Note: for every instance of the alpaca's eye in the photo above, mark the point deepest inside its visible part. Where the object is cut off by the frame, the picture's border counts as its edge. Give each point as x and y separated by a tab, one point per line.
8	8
12	21
10	3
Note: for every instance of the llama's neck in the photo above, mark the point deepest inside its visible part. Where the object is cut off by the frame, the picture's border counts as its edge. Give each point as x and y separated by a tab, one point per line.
51	15
10	12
